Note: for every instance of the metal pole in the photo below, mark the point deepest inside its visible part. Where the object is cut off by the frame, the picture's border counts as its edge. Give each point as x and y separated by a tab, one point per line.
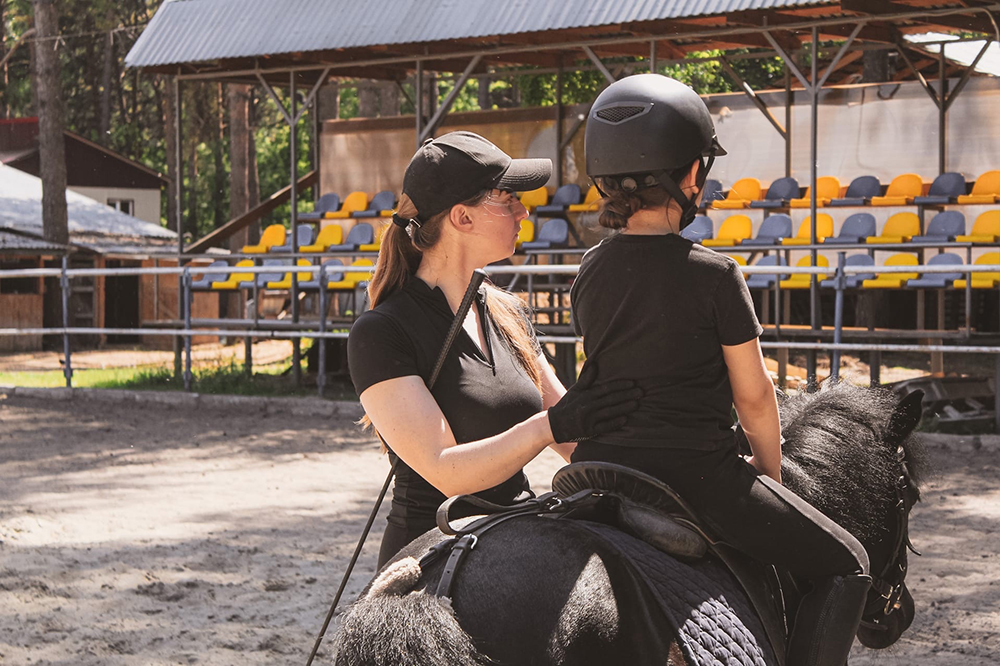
652	57
64	288
942	112
838	315
813	169
321	370
293	137
186	281
789	101
179	201
559	123
418	106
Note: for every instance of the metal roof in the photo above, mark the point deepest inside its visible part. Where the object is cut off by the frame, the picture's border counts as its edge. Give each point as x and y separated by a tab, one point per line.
187	31
12	242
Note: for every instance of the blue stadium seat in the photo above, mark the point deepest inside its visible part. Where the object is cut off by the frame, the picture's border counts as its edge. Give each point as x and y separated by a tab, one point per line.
331	274
772	230
553	234
713	192
327	203
938	280
855	229
208	277
853	281
766	280
360	234
860	192
944	227
382	202
945	189
565	196
699	229
778	194
305	234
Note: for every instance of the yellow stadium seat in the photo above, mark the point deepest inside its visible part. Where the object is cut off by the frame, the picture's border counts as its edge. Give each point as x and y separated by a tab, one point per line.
827	189
272	236
331	234
899	228
354	202
893	280
527	232
901	191
377	245
352	278
824	229
986	229
286	282
740	194
535	198
986	190
590	203
801	280
734	230
236	278
983	280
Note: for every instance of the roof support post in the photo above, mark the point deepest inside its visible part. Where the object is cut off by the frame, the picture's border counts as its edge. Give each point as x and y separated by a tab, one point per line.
758	102
559	123
840	54
599	65
965	75
652	56
293	165
789	63
442	110
179	211
916	72
582	118
789	101
813	172
418	106
942	112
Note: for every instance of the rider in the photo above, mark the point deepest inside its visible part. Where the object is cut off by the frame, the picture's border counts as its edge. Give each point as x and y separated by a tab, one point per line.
497	403
678	318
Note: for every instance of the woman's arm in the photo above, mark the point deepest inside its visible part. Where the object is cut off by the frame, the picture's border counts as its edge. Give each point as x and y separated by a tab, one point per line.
756	405
406	415
552	391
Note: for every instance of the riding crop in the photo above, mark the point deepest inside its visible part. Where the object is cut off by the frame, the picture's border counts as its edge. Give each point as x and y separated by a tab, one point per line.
456	325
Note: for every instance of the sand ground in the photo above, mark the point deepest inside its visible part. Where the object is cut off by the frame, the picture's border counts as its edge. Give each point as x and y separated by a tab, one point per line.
139	534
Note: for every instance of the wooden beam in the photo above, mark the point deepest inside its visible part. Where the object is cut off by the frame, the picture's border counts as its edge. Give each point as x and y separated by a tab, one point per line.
954	21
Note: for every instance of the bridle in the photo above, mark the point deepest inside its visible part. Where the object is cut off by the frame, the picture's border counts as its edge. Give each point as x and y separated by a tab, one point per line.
887	586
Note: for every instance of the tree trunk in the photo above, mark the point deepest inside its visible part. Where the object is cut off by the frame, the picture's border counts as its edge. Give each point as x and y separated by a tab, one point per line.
51	141
170	141
328	102
484	94
389	99
219	167
106	70
367	100
253	180
239	158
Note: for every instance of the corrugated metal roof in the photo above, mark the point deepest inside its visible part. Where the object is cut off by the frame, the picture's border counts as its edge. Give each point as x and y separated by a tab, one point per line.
185	31
16	242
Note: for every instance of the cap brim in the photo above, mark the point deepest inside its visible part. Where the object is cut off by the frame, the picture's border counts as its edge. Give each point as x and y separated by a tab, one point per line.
525	174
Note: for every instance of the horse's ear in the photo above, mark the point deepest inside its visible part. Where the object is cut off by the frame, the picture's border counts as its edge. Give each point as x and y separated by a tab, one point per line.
905	416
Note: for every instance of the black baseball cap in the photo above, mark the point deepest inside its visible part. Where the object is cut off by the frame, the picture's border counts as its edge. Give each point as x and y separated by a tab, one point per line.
456	166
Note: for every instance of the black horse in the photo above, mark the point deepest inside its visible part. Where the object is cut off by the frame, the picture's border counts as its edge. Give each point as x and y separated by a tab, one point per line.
542	591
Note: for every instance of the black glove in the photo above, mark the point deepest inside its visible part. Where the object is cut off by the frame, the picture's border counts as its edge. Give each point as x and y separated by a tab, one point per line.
587	410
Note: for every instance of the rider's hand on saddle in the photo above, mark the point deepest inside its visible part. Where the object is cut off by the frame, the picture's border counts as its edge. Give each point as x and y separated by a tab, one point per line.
588	410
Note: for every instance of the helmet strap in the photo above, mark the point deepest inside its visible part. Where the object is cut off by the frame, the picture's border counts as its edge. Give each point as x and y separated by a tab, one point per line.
689	206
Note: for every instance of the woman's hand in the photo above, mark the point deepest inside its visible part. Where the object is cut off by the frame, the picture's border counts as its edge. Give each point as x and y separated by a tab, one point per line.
588	410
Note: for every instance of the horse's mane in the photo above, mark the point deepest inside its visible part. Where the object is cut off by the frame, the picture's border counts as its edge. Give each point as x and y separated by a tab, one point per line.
840	454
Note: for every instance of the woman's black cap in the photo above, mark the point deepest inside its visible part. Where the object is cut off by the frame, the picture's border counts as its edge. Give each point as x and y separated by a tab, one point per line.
455	167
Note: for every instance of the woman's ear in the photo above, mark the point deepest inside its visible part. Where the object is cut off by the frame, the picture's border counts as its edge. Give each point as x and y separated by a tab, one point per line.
692	175
459	218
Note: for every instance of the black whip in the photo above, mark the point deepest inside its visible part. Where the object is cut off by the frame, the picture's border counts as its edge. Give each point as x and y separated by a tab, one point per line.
456	325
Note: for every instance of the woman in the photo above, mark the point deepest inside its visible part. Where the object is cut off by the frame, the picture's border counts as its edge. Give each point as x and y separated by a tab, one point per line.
678	318
496	404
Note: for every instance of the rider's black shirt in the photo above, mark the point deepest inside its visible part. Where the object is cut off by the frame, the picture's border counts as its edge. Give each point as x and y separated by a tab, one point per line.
657	309
480	396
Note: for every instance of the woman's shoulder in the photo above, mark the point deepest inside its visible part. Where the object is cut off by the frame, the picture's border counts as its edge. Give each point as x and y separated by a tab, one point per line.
711	260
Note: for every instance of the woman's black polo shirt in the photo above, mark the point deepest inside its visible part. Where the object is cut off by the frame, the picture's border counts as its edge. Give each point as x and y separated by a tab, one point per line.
480	397
657	310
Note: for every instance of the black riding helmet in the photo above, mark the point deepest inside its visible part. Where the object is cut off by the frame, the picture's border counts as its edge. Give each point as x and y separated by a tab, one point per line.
644	130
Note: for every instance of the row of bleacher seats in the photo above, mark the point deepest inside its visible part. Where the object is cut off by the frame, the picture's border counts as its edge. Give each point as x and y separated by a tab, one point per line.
337	274
904	190
902	227
362	237
357	205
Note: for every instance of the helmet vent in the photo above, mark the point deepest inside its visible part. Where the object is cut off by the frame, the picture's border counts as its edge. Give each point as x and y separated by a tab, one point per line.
619	113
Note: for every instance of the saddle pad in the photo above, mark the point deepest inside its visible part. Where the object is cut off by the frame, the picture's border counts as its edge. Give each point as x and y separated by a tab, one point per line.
708	611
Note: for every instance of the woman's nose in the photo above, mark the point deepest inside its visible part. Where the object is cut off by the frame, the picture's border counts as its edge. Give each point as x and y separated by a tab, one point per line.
520	212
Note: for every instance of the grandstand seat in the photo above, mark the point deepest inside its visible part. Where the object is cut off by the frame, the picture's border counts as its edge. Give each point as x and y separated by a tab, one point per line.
778	194
824	229
945	189
986	190
901	191
590	202
766	280
801	280
381	205
273	235
331	234
305	234
235	279
352	279
565	196
376	243
534	198
330	273
772	230
740	194
712	192
859	192
855	229
209	276
286	281
553	234
734	230
893	280
264	278
986	229
899	228
827	189
527	232
852	281
943	227
699	229
327	203
938	280
360	234
983	280
355	202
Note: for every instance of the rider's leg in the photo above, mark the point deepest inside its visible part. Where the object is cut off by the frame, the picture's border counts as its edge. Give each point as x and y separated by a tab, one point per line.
827	621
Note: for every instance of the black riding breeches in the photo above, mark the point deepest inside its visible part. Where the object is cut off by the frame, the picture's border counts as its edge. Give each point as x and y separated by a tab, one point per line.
748	510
